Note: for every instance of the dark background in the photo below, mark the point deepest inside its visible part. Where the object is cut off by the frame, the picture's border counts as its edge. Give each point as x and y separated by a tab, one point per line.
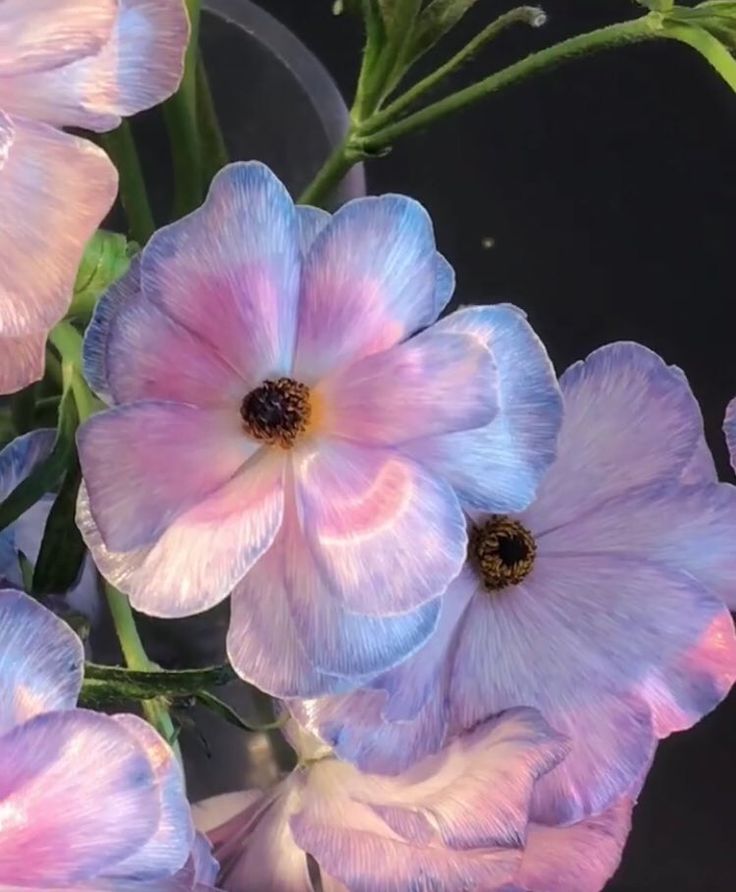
607	188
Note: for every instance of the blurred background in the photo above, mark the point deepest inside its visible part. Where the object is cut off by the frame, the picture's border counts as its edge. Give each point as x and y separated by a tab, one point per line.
601	198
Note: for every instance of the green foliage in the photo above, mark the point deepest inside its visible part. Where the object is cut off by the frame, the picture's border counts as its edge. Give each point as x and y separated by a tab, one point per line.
709	28
435	21
105	260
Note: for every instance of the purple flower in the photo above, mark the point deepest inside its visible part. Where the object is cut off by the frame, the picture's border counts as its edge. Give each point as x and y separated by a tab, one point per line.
281	431
601	605
87	801
66	63
456	820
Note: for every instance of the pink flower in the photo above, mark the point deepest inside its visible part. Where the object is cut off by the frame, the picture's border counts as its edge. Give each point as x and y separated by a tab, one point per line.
456	820
87	801
289	426
81	63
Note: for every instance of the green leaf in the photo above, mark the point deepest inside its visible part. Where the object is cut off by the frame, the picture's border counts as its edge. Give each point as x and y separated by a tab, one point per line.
707	45
106	258
657	5
62	548
717	17
47	474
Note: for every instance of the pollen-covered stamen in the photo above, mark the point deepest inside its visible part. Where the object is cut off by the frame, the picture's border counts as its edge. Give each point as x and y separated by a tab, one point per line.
277	412
502	550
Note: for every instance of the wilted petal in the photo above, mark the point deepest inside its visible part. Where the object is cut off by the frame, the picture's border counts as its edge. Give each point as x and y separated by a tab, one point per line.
204	553
630	420
43	34
68	816
434	383
139	66
169	847
369	281
230	271
41	661
386	535
498	467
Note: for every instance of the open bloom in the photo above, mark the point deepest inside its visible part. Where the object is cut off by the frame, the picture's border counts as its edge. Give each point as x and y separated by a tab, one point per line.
114	820
456	820
275	434
601	604
66	63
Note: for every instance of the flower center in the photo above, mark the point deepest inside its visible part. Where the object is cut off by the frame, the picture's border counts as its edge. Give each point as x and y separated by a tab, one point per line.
503	551
276	412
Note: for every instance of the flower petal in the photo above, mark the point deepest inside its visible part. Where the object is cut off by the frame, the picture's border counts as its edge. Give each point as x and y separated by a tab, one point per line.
41	661
43	34
169	847
21	456
230	271
168	457
311	222
369	281
386	536
430	385
624	409
66	820
140	65
22	361
208	549
701	468
56	189
498	467
729	428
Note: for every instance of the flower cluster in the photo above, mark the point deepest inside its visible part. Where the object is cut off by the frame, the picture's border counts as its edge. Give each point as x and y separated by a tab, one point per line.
481	594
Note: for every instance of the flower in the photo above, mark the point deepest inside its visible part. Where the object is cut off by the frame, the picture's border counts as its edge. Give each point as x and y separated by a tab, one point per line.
275	435
66	63
17	460
115	820
456	820
601	605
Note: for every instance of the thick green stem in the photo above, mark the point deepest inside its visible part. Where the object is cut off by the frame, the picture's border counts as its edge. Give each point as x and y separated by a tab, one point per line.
121	148
330	175
372	139
528	15
135	657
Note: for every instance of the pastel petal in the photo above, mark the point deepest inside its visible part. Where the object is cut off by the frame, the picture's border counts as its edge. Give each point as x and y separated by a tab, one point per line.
230	271
202	866
729	428
369	281
56	189
66	820
21	456
580	660
651	426
445	283
311	222
139	66
204	554
168	457
41	34
432	384
386	535
22	361
701	468
577	858
169	847
498	467
41	661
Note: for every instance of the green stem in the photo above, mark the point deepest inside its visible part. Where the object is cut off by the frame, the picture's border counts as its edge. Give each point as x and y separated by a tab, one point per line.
180	114
68	343
134	654
390	62
528	15
121	148
330	174
214	150
376	140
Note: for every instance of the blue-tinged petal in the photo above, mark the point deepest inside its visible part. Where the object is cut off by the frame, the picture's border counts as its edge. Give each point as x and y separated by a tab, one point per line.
729	429
498	467
386	535
445	284
167	850
311	222
701	468
432	384
230	272
630	420
369	281
77	795
20	457
41	661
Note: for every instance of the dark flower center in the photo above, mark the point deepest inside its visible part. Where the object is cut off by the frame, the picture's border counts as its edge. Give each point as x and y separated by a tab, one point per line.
502	550
276	412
